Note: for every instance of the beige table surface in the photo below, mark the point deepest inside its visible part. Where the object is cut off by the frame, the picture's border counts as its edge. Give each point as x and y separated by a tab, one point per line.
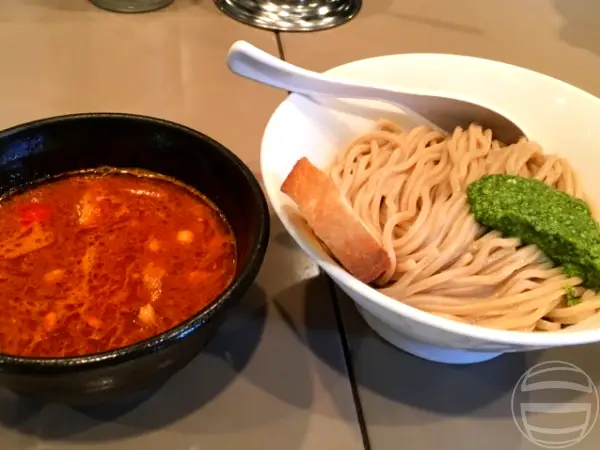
556	37
274	376
408	403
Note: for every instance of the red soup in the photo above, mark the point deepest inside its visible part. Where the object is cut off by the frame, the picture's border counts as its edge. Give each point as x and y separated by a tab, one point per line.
93	262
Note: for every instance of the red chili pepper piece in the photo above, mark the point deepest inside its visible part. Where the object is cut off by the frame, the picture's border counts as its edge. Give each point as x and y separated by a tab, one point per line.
34	212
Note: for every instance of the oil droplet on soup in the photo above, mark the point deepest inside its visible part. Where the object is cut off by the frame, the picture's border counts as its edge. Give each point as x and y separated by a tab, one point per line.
93	262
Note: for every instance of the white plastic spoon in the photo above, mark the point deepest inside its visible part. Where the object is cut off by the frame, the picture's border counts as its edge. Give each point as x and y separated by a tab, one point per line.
446	113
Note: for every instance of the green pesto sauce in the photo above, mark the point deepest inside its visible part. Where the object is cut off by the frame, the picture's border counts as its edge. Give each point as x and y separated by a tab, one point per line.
558	224
572	298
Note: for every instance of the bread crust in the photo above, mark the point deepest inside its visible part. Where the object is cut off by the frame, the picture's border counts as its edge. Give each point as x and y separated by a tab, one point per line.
334	222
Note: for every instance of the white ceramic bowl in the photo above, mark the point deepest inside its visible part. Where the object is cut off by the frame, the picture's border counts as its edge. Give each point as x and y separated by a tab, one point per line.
562	118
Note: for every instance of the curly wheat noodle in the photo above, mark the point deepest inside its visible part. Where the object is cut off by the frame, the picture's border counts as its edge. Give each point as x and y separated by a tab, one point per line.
409	190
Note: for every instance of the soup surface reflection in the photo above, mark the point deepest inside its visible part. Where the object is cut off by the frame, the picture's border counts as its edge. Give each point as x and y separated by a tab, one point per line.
96	261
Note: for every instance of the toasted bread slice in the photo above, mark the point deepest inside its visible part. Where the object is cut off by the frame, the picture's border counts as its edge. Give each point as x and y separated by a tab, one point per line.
334	222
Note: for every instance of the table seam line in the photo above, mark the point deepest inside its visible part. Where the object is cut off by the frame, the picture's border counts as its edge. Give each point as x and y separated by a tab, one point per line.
349	366
279	45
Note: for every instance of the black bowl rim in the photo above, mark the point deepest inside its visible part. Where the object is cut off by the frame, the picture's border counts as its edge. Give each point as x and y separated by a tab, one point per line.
235	290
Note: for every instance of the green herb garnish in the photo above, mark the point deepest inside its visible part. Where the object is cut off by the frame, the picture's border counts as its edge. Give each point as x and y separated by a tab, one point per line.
572	297
560	225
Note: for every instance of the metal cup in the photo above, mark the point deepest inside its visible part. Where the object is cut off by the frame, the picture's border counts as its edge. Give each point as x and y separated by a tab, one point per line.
290	15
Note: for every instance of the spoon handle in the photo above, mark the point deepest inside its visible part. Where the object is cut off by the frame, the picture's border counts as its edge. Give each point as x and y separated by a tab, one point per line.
255	64
438	112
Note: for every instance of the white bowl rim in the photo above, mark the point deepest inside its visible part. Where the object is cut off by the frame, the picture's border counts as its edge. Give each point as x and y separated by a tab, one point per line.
338	274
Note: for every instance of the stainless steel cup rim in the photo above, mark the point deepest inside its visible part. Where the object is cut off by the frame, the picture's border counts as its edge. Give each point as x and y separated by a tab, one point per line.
286	15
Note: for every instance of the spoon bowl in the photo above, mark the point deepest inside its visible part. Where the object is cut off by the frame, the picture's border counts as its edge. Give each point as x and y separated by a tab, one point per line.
442	112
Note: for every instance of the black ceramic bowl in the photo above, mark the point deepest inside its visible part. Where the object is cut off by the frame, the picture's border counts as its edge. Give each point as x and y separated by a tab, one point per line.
49	147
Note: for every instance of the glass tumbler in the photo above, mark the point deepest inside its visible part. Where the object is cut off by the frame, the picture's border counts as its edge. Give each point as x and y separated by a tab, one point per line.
131	6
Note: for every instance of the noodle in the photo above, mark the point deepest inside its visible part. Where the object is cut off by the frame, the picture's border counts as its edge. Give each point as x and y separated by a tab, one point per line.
409	189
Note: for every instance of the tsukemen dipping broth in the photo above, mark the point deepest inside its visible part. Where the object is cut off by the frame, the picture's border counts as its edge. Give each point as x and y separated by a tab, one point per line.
95	261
